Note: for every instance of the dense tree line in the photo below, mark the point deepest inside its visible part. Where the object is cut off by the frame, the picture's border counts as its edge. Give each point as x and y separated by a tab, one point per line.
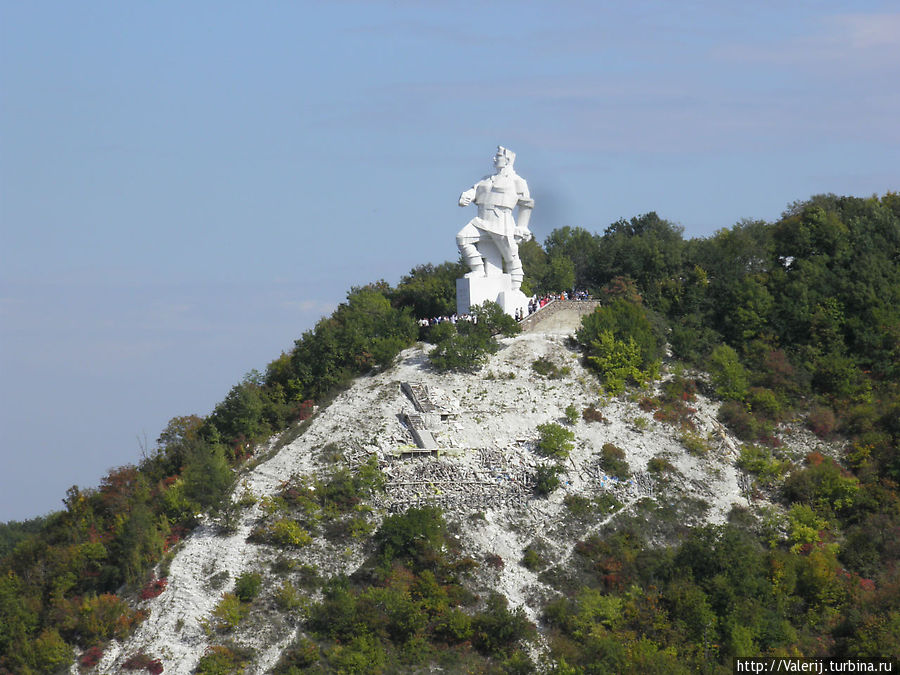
798	318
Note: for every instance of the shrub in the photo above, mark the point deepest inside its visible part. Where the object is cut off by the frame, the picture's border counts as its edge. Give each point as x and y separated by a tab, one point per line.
364	655
758	460
339	494
453	626
640	423
532	560
625	322
518	663
496	630
728	374
578	505
617	361
105	616
659	465
821	421
417	534
141	661
547	368
303	654
493	560
359	527
571	413
288	533
612	461
462	353
805	526
764	402
673	405
287	597
694	443
309	577
648	404
555	440
591	414
680	388
822	484
154	588
228	613
91	657
606	503
247	586
335	616
491	318
736	417
51	652
547	479
222	660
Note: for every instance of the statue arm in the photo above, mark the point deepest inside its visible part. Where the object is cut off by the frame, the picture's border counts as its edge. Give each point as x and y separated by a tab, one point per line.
466	197
526	204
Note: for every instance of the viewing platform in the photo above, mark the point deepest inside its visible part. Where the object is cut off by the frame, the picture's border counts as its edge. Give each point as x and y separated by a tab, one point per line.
559	316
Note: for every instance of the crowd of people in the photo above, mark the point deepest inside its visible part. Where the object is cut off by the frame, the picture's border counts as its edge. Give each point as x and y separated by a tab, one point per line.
537	303
453	318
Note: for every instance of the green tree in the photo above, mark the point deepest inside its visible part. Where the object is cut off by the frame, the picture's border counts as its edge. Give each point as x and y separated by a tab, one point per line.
240	415
491	319
646	248
621	343
414	535
555	440
429	290
497	630
560	275
464	353
581	247
207	475
729	376
618	362
624	320
364	332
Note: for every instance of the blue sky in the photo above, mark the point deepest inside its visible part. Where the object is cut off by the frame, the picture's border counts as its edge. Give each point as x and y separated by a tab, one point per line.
186	187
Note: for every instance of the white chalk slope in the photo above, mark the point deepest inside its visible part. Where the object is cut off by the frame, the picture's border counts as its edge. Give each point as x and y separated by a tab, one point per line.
488	431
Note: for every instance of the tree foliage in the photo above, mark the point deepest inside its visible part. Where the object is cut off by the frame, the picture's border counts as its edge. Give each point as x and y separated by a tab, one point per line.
429	290
621	343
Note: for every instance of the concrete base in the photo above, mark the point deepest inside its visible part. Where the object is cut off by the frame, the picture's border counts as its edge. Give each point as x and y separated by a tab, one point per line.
511	300
473	291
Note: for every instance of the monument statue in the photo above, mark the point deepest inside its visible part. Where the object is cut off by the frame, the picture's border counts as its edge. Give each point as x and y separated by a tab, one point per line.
489	243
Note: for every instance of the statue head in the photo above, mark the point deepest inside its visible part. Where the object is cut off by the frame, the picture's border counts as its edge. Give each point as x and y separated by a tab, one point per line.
504	157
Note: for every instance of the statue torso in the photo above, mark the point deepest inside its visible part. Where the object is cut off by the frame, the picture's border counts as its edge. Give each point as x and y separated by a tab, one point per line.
496	191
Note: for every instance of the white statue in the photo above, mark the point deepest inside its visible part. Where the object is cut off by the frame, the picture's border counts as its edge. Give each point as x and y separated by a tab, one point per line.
490	241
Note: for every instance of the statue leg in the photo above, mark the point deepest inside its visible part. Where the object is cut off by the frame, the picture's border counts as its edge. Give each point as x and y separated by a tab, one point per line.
510	252
466	240
516	272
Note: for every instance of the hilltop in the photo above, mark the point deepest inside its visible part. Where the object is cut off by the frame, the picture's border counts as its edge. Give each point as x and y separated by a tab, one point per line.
708	468
483	478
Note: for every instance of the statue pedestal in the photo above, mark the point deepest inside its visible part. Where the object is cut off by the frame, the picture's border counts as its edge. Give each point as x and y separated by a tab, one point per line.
474	291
